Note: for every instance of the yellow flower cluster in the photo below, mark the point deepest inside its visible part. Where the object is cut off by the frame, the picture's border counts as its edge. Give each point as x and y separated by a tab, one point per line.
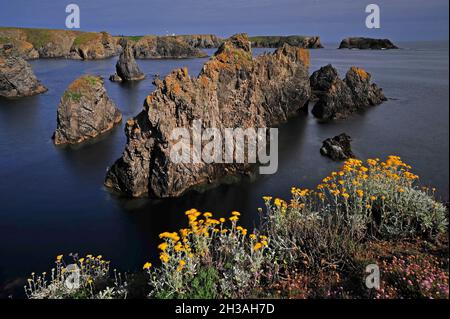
178	247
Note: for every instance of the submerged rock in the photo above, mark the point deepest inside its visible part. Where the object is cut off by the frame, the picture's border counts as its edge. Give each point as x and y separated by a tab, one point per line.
367	43
337	98
85	111
232	90
16	76
127	68
337	148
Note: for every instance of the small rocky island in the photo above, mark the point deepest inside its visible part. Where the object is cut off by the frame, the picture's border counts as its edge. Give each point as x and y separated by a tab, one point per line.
337	98
337	148
301	41
367	43
16	75
127	68
85	111
233	89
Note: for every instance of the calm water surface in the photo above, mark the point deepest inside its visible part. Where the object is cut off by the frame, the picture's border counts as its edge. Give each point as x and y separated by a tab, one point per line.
52	200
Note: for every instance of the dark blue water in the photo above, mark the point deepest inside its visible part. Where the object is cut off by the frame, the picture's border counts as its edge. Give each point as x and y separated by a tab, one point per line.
52	200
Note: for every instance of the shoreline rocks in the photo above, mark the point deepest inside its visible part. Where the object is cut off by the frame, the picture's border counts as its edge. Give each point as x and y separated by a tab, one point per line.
305	42
85	111
337	148
126	68
17	78
367	44
336	98
232	90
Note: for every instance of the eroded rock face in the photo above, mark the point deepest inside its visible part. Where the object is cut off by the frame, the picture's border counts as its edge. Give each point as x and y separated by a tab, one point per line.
85	111
93	46
337	98
337	148
16	76
293	40
202	41
367	43
46	43
165	47
233	90
127	68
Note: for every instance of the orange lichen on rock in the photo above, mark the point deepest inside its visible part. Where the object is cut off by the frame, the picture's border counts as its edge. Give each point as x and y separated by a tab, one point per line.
303	55
363	74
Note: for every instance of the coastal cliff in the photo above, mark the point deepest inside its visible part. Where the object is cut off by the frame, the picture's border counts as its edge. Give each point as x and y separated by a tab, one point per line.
293	40
46	43
32	43
165	47
366	43
232	90
16	75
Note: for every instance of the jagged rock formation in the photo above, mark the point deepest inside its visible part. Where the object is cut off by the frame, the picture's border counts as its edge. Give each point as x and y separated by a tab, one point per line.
201	41
337	148
85	111
293	40
165	47
232	90
46	43
366	43
16	75
338	98
127	68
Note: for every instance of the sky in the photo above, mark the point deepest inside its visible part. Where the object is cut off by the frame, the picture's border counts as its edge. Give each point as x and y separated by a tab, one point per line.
401	20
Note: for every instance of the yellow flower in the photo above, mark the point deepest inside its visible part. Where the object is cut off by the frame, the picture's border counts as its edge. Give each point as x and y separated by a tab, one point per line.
163	246
59	257
372	198
234	218
360	193
207	214
235	213
181	265
81	260
257	246
164	257
222	220
368	206
267	198
401	190
345	195
147	266
90	281
252	236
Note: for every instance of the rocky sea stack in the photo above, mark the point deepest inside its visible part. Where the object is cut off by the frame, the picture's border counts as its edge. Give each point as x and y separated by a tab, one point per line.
126	68
16	75
232	90
85	111
367	43
338	98
337	148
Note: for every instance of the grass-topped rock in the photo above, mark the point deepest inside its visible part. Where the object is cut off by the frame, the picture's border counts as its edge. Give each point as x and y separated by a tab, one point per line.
85	111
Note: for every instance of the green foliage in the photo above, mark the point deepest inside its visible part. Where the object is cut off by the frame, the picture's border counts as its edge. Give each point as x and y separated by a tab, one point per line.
74	96
38	37
84	38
